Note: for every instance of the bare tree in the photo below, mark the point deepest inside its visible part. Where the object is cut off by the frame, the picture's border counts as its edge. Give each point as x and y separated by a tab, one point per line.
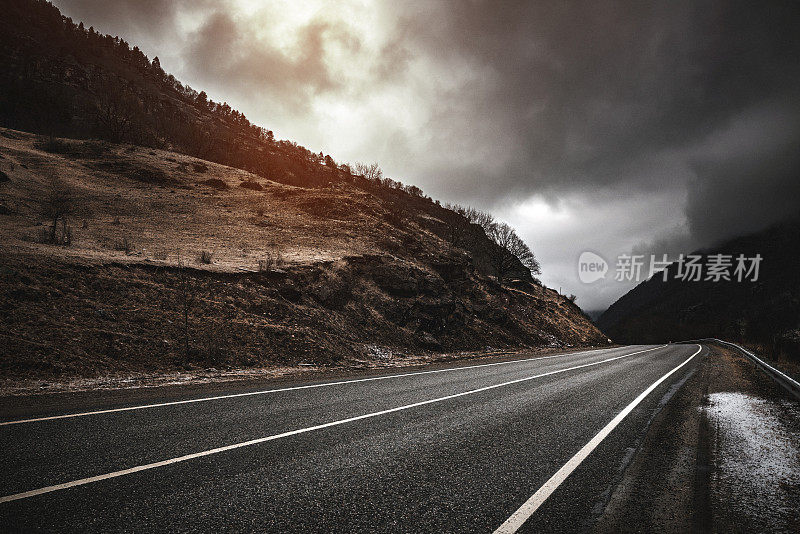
116	111
501	260
57	205
524	254
482	219
511	250
371	171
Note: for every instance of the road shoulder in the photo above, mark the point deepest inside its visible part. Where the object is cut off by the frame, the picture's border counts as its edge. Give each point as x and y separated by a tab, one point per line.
684	476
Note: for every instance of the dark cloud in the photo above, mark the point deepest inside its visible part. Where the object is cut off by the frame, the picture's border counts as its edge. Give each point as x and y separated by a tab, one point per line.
627	97
224	53
588	90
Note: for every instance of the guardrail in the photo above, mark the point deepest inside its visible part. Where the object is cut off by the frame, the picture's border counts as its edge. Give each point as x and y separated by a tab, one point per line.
788	383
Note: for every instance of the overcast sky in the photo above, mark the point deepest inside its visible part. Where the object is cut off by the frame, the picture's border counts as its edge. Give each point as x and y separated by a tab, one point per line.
604	126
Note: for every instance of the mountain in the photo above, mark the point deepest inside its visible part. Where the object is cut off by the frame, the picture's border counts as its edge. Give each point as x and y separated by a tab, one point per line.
764	312
145	228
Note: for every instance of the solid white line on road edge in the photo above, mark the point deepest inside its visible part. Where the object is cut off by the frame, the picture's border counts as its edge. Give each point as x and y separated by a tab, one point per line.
209	452
524	512
280	390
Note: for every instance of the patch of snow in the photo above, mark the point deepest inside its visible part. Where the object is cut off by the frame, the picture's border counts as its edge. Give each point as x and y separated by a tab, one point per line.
757	458
379	353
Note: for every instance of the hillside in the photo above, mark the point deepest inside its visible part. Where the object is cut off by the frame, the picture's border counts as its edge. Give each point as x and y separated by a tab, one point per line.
764	313
59	78
145	227
179	263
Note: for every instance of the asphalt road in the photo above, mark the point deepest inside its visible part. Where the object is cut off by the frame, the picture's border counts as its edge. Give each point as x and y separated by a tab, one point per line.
453	450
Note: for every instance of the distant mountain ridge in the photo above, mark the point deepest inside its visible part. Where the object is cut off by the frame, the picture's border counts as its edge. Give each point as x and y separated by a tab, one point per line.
765	312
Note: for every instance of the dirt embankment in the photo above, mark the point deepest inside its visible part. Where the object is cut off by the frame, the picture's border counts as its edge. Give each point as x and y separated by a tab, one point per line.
84	319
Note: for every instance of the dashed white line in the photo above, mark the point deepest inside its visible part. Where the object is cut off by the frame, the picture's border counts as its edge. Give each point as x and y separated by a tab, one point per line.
524	512
280	390
144	467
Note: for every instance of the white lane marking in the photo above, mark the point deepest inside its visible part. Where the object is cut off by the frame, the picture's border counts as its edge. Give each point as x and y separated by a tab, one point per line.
279	390
524	512
209	452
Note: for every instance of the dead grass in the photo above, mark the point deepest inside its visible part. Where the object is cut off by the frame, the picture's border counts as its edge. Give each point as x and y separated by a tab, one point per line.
140	196
296	275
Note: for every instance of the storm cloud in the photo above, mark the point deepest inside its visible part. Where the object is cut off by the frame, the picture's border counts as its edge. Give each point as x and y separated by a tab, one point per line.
610	126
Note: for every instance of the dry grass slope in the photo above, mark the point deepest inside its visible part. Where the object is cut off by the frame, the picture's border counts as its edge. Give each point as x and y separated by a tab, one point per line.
178	263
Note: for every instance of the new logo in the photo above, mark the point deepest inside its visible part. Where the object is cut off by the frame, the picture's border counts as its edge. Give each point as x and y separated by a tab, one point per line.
591	267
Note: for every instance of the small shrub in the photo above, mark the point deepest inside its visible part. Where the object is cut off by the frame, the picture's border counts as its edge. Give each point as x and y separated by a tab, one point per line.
54	146
60	234
205	257
273	259
4	177
160	255
153	176
199	166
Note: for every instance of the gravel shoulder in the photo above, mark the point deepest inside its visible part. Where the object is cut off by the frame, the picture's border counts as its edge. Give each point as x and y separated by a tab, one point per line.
721	456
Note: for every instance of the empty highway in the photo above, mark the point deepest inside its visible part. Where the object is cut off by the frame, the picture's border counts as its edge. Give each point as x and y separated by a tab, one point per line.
532	444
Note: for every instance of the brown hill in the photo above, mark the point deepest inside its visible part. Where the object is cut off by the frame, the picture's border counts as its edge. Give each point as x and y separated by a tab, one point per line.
171	262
